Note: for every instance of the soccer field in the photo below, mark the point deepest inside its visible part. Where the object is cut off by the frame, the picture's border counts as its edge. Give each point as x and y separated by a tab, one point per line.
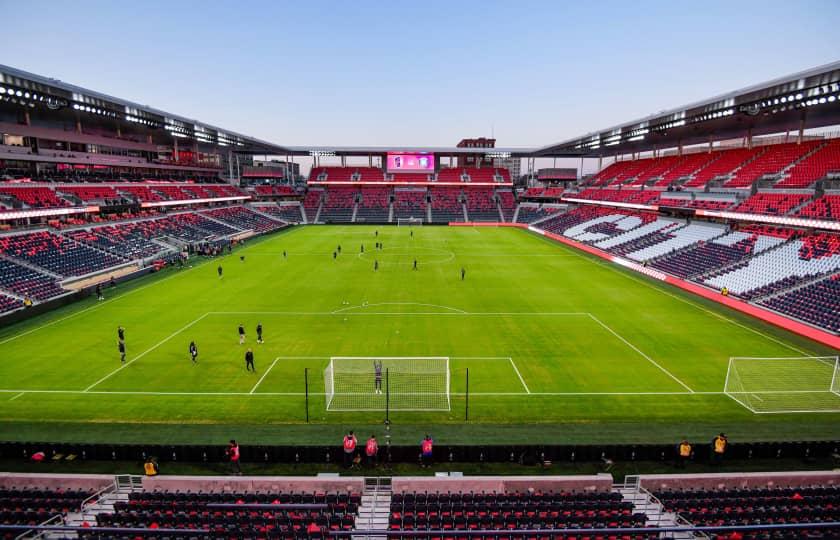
560	347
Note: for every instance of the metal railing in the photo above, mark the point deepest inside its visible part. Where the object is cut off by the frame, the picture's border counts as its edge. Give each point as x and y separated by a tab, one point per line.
833	526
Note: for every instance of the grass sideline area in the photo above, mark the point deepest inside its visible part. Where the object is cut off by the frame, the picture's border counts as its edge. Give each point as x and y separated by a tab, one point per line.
561	347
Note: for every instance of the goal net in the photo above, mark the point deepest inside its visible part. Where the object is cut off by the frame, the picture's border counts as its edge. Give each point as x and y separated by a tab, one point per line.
785	385
414	222
406	383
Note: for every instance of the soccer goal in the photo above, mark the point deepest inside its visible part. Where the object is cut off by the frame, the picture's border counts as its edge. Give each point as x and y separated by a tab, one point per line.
412	222
406	383
785	385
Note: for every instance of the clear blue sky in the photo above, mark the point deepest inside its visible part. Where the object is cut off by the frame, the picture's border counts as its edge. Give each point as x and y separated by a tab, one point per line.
392	73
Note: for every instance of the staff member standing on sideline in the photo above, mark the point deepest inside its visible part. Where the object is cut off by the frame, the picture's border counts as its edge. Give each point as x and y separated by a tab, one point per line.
349	445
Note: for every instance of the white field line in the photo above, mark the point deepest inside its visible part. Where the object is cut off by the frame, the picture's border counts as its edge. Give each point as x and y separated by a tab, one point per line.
100	304
144	353
17	396
409	313
363	306
264	375
516	369
627	275
301	394
648	358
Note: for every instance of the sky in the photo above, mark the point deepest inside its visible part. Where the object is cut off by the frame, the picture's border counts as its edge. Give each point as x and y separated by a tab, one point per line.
398	73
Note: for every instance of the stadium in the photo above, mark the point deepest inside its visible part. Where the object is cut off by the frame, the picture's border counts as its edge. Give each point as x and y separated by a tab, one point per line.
630	333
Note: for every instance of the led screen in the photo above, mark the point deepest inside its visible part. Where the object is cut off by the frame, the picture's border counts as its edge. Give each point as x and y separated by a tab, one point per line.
424	163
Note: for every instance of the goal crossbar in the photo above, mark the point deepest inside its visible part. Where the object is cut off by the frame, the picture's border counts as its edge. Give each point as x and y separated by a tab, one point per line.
775	385
387	383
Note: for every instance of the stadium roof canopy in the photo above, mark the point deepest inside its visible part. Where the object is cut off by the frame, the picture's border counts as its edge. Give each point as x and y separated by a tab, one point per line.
809	99
804	100
58	95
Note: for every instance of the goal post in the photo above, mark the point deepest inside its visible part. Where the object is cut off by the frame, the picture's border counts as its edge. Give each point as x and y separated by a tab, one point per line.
411	221
406	383
803	384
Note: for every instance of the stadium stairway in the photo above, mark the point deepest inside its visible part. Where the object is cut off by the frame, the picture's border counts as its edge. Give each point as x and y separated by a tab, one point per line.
643	501
375	508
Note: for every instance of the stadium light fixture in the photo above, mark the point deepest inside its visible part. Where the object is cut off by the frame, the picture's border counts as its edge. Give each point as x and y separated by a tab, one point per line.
2	90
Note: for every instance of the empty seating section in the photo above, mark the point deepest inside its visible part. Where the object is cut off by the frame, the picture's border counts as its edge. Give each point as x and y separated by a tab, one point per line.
770	161
723	162
186	510
374	205
409	204
35	506
332	174
56	253
409	177
450	175
484	175
140	192
561	222
508	511
312	202
779	268
274	190
130	240
446	205
174	192
208	225
35	197
655	169
817	303
677	238
634	196
88	193
825	207
756	506
9	303
685	167
244	218
339	204
504	174
481	204
814	167
638	236
290	213
533	192
507	202
370	174
776	204
698	203
530	214
603	227
24	281
716	253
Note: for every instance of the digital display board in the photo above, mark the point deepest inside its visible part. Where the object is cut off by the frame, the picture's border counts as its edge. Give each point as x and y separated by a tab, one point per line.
421	163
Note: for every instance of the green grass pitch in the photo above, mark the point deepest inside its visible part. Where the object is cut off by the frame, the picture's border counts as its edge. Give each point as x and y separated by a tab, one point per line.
561	347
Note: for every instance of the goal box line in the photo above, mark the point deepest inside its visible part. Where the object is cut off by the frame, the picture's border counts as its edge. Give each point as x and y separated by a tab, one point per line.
389	357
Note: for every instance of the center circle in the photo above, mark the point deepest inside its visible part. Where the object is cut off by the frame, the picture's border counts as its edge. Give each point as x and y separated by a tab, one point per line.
406	256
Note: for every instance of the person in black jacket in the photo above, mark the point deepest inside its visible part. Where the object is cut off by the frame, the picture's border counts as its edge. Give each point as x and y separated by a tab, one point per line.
249	361
193	352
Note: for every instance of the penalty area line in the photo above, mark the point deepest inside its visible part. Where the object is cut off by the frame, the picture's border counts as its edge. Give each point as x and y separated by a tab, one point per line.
254	389
648	358
144	353
516	369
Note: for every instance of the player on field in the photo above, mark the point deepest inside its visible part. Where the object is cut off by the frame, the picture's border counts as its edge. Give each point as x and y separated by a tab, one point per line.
411	234
219	270
335	255
377	376
259	333
415	264
339	248
121	347
121	333
463	273
284	253
363	249
193	352
375	265
241	334
249	361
